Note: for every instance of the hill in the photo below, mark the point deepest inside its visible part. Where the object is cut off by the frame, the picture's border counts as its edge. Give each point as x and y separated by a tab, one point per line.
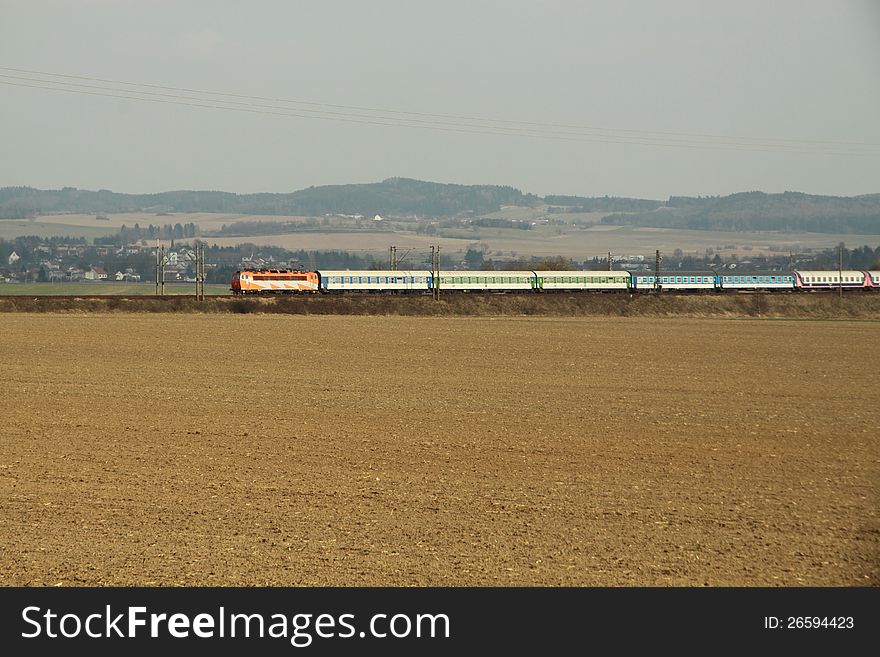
741	212
757	211
400	196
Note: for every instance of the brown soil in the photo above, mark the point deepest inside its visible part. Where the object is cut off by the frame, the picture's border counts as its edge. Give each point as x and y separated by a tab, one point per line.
281	450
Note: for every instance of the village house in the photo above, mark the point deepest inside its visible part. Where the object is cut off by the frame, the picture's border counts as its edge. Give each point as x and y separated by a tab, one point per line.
129	276
96	274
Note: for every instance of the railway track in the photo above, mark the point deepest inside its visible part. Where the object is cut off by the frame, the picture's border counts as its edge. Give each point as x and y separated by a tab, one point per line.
138	297
144	297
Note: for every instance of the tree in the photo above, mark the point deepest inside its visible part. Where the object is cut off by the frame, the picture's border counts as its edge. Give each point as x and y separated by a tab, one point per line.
555	263
473	259
42	277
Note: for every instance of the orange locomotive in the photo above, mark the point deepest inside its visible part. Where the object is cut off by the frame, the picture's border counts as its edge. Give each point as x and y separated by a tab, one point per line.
274	281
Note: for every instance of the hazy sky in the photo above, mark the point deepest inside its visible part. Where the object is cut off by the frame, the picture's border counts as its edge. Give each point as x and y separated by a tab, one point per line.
639	98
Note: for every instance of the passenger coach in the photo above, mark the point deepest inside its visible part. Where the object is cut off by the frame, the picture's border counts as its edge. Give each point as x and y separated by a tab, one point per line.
345	280
583	280
817	280
769	281
485	281
682	281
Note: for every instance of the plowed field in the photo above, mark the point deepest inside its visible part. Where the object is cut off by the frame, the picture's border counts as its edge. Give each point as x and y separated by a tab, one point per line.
331	450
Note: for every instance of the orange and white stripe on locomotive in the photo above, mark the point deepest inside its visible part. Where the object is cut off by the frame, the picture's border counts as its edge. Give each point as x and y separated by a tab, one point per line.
253	281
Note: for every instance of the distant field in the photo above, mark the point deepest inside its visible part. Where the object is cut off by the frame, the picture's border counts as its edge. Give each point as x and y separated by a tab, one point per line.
204	220
133	289
542	212
10	229
355	242
568	240
565	241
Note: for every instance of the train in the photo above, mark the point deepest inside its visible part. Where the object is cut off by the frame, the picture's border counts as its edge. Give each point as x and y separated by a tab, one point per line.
338	281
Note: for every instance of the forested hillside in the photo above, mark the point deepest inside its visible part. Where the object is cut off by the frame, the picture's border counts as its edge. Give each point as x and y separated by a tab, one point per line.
751	211
392	196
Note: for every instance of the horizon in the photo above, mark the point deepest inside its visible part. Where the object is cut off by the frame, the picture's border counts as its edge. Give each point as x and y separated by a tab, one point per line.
377	182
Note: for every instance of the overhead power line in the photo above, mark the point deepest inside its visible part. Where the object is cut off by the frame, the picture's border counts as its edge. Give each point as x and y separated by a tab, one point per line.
420	120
